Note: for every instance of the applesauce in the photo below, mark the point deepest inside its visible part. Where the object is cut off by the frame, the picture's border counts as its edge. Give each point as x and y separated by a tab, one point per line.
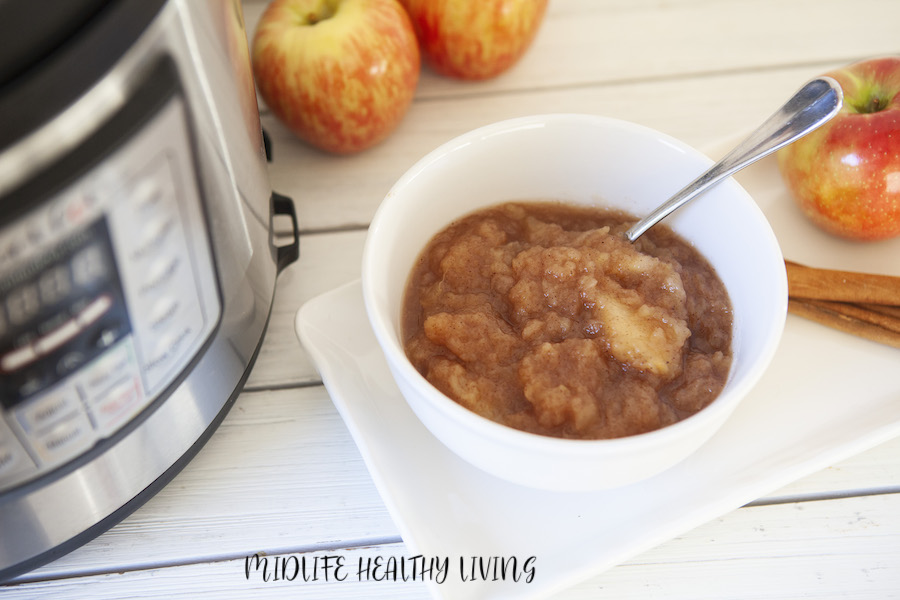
543	317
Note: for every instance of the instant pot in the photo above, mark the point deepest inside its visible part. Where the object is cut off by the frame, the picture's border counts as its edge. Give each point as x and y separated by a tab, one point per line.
137	259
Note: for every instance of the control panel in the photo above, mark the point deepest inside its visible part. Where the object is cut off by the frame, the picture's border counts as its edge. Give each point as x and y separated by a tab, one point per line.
108	292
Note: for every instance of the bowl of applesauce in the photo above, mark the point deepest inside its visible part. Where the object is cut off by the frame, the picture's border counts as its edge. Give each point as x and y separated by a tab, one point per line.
532	338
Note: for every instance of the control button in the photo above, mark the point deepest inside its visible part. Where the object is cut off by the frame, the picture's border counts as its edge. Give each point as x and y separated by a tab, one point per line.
103	373
107	336
170	345
48	409
167	350
33	382
70	362
161	272
62	437
117	405
107	332
163	311
146	194
154	236
65	440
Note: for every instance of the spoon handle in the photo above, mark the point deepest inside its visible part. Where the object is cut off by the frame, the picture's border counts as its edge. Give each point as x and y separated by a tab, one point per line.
814	104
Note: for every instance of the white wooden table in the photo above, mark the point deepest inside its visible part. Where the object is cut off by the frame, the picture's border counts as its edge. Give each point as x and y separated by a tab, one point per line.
282	475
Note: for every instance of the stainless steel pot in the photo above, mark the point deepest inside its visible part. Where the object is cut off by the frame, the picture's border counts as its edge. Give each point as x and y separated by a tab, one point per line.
137	267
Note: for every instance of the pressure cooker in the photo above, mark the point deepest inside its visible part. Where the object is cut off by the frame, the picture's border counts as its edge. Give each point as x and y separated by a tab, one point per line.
137	256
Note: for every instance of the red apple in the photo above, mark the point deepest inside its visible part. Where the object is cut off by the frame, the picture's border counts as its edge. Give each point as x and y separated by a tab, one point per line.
474	39
340	74
846	174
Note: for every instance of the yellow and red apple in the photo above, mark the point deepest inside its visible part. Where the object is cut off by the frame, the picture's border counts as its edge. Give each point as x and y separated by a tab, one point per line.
474	39
845	175
340	74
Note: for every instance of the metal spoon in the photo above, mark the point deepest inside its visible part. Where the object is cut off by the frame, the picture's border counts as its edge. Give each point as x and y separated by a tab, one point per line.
812	106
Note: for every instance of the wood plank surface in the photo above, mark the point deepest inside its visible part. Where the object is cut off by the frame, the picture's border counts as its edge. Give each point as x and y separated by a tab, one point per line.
827	549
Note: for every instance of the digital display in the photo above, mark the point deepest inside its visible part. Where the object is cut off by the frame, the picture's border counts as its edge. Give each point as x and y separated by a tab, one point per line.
59	311
83	272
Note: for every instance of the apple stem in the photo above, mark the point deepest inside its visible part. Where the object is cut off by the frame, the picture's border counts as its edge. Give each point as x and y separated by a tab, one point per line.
323	13
875	104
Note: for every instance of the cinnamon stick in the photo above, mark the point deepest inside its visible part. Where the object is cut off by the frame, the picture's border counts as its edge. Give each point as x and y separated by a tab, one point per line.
893	311
861	313
848	318
862	304
844	286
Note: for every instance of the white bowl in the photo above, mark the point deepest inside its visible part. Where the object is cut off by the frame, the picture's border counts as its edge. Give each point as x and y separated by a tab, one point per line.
589	160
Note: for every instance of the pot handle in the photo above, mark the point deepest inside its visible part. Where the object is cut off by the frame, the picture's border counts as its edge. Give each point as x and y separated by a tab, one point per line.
287	253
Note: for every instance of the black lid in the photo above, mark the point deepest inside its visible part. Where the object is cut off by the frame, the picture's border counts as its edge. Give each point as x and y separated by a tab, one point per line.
55	50
32	30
